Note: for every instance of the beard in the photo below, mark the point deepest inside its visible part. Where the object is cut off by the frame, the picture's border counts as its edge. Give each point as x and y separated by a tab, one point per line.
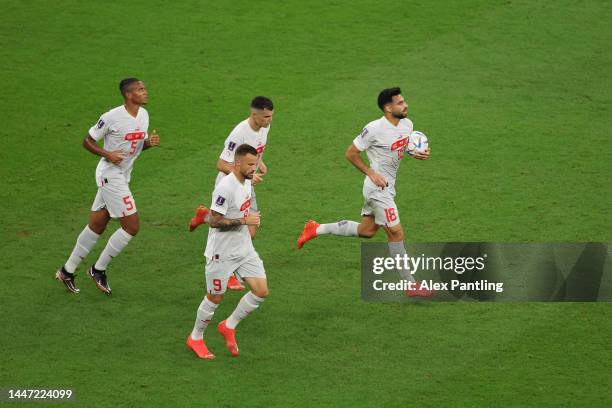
401	115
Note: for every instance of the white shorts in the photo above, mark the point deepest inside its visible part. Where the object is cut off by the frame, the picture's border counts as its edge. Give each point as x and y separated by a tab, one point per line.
381	204
218	271
114	194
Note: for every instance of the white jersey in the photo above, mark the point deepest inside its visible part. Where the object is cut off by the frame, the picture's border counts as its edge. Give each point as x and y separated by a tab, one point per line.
232	199
243	133
121	131
384	145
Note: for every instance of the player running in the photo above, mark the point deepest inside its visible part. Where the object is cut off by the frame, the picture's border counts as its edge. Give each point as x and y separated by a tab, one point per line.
384	141
254	132
124	130
229	250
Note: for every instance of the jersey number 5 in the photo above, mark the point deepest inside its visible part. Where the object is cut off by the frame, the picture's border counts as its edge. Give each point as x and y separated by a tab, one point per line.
134	146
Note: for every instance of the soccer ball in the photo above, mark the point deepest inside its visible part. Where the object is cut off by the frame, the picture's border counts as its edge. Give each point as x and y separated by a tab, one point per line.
417	143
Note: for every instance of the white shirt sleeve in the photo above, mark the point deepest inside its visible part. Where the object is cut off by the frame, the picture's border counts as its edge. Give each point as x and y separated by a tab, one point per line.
365	138
231	144
220	200
100	129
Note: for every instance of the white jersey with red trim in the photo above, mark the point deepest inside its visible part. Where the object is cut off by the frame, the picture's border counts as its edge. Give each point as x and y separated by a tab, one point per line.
243	133
384	144
232	199
121	131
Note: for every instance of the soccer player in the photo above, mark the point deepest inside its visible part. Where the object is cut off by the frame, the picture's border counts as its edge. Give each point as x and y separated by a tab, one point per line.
254	132
124	130
384	141
229	250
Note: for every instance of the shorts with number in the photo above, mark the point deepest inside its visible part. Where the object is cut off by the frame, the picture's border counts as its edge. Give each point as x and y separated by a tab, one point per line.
381	204
114	194
218	271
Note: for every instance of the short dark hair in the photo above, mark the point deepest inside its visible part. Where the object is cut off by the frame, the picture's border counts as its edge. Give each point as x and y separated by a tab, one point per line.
125	84
386	96
261	102
245	149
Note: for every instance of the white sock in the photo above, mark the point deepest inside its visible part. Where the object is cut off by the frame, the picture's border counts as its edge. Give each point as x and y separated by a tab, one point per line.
85	242
344	228
246	306
397	248
115	244
203	318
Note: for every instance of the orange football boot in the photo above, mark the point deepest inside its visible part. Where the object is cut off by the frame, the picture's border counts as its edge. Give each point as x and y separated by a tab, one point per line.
234	284
418	292
199	347
230	338
309	232
199	217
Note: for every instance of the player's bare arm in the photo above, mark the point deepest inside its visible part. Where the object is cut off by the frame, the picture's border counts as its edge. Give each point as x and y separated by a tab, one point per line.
263	169
152	141
217	220
115	157
354	156
224	166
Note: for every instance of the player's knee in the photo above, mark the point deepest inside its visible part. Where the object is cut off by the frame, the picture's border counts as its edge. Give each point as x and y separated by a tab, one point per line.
132	229
366	232
396	235
261	292
97	227
216	299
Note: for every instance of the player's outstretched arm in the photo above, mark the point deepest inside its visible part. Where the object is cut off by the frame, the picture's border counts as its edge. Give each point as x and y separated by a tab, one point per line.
354	156
152	141
114	157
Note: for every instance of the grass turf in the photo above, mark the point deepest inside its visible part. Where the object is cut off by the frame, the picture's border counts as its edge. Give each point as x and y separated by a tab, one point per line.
514	96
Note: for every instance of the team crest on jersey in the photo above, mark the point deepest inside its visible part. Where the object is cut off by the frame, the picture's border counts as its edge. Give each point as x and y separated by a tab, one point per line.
100	124
220	200
246	205
399	144
364	132
231	146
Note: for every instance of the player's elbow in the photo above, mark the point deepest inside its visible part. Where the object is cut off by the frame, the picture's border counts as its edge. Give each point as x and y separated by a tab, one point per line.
349	154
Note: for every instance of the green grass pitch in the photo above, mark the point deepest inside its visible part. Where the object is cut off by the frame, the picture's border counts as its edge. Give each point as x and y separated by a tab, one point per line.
514	96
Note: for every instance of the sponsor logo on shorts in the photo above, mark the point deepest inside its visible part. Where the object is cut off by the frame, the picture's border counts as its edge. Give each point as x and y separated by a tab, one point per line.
220	200
231	146
100	124
364	132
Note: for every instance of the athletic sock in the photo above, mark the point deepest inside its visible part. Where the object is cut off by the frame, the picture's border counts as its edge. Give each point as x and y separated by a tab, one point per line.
85	242
246	306
115	244
203	318
397	248
344	228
